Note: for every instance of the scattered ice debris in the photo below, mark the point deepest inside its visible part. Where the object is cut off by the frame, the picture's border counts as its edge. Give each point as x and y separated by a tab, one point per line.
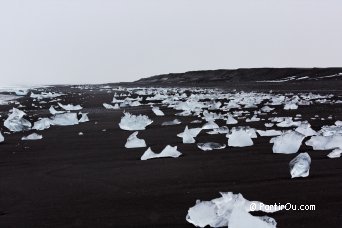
84	118
253	119
108	106
210	125
1	137
42	124
266	109
239	138
53	111
229	210
134	142
33	136
220	130
157	111
305	129
168	151
290	106
131	122
187	136
172	122
64	119
21	92
269	132
80	133
269	124
211	146
333	154
325	142
231	120
15	121
300	165
70	107
287	143
288	122
44	95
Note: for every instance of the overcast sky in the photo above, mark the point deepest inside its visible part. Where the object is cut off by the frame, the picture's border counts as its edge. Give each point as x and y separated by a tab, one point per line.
96	41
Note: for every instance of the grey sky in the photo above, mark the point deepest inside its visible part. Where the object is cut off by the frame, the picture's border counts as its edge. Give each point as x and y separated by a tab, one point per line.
95	41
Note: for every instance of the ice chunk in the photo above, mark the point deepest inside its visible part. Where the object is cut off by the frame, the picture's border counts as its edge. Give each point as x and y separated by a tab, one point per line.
210	125
290	106
1	137
240	218
33	136
42	124
194	132
288	122
220	130
131	122
70	107
134	142
333	154
325	142
269	132
269	124
157	111
300	165
211	146
187	136
84	118
338	123
218	212
108	106
231	120
172	122
64	119
239	138
168	151
287	143
305	129
15	121
53	111
253	119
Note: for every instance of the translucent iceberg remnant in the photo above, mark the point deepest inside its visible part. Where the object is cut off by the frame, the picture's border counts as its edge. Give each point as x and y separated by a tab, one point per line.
33	136
211	146
287	143
187	136
64	119
84	118
333	154
231	120
108	106
15	121
53	111
305	129
242	219
131	122
239	138
1	137
210	125
300	165
218	212
269	132
70	107
193	131
157	111
134	142
172	122
168	151
325	142
42	124
289	106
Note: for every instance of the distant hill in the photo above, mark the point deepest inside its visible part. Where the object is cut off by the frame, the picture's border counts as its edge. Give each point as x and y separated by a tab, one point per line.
243	76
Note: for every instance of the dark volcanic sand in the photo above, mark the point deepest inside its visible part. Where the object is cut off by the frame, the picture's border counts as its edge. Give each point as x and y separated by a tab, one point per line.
67	180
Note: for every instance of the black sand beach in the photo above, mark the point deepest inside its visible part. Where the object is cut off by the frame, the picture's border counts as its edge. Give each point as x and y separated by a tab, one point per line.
92	180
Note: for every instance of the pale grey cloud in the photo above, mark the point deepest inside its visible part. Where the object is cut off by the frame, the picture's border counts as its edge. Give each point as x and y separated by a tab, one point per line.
95	41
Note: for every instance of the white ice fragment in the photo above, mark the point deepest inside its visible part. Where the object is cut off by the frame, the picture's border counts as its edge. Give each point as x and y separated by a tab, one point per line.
333	154
240	218
1	137
168	151
218	212
33	136
42	124
210	125
338	123
305	129
172	122
187	136
64	119
131	122
269	124
194	132
211	146
84	118
108	106
269	132
70	107
157	111
53	111
287	143
325	142
134	142
300	165
15	121
239	138
231	120
289	106
80	133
